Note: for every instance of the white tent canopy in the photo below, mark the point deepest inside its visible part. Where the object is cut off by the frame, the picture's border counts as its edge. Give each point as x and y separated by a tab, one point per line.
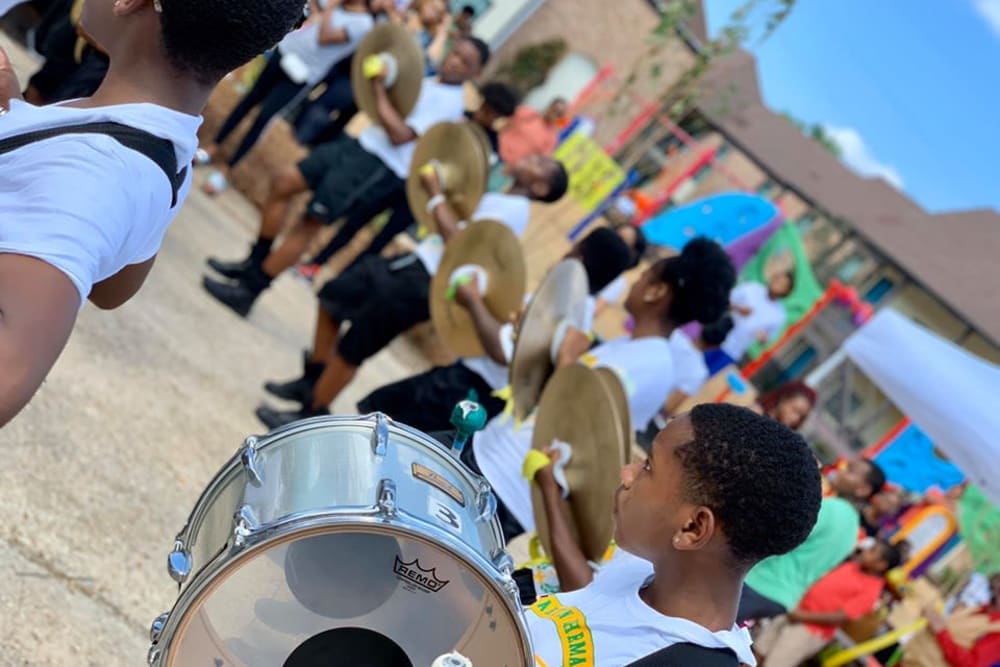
951	394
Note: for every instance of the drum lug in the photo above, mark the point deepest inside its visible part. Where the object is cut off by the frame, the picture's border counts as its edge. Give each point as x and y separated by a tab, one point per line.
153	656
387	497
245	524
486	502
179	562
380	436
251	461
156	629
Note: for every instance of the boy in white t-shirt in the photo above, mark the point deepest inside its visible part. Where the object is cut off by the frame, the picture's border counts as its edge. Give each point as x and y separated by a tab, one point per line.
722	489
383	297
81	215
353	179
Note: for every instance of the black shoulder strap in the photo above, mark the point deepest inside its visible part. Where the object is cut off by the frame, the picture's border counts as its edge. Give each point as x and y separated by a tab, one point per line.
687	655
160	151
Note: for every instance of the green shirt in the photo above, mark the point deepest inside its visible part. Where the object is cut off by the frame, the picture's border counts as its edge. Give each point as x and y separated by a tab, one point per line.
786	578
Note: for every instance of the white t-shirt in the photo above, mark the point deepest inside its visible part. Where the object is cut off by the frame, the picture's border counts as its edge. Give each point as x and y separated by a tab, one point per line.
766	316
614	291
512	210
608	624
438	103
318	58
84	203
689	363
645	368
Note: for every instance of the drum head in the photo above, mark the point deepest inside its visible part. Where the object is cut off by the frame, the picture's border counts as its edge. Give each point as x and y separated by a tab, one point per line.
352	594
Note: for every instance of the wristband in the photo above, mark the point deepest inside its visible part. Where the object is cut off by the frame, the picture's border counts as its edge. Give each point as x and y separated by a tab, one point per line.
434	202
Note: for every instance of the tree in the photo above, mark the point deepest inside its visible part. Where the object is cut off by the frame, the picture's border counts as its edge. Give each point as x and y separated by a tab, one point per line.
816	132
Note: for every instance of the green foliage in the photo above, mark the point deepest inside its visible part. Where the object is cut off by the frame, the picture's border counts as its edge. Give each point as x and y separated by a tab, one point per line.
530	66
816	132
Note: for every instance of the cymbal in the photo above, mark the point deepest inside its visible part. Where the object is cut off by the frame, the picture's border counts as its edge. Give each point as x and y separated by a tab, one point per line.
562	295
403	57
496	250
463	166
619	401
577	409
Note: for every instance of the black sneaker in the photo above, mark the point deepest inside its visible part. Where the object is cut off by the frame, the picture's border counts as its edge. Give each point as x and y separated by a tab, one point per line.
231	270
277	418
238	297
300	389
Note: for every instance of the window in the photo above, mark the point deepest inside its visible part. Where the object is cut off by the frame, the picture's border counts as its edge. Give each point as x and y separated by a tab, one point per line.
702	173
848	270
805	223
723	150
767	188
878	291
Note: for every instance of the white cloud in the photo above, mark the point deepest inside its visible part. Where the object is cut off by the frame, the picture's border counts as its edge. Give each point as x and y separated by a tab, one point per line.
858	156
989	11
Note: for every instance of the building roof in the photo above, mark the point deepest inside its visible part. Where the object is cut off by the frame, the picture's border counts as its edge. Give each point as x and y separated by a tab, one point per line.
952	255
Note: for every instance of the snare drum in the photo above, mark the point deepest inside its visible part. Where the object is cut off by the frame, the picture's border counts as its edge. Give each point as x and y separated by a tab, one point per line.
342	540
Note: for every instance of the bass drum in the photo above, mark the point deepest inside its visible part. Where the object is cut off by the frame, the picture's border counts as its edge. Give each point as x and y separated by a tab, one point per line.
342	541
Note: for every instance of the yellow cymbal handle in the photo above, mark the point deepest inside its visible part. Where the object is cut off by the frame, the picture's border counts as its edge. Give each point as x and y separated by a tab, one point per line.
873	645
533	462
372	66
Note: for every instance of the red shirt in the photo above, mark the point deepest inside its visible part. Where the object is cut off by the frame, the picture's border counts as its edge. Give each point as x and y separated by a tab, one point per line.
526	133
984	653
846	588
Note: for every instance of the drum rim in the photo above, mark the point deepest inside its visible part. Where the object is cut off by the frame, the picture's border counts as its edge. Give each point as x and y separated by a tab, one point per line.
228	470
209	578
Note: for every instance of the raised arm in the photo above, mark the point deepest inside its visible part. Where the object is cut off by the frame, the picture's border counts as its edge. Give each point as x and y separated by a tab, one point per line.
38	306
329	33
488	327
568	558
389	118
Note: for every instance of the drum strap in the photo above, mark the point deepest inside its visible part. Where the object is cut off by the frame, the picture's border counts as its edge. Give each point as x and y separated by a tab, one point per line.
160	151
685	655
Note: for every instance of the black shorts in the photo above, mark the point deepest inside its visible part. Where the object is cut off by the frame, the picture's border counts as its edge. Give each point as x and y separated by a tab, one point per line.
381	298
347	180
425	401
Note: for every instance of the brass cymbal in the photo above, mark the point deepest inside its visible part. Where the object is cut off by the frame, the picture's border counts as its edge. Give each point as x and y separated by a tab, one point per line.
576	408
406	64
492	246
456	151
619	401
562	295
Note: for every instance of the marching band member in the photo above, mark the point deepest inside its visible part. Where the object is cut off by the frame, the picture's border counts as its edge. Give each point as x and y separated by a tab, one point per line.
722	489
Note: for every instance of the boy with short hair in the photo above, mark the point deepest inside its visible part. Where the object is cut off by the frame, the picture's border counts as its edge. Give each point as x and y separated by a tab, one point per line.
722	489
82	215
847	593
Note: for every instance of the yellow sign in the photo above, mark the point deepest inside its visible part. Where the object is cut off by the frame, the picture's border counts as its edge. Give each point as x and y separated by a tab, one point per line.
593	175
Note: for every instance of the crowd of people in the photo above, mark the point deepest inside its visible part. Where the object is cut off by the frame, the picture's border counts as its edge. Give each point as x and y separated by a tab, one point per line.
726	524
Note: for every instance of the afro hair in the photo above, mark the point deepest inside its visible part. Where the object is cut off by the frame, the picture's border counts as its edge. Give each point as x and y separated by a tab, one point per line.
605	255
701	277
758	477
211	38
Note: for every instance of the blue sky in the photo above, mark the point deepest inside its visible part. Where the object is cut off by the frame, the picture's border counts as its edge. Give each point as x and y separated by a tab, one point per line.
910	88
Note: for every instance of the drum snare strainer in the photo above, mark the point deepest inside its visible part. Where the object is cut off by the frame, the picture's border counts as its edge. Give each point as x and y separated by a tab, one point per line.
342	541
